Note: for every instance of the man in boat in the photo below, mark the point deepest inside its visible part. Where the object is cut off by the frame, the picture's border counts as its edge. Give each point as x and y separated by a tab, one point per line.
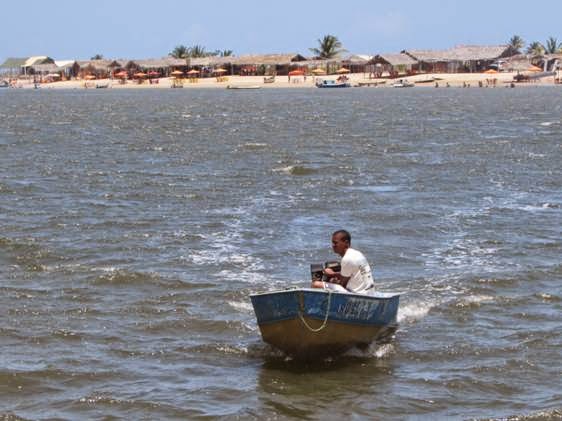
355	275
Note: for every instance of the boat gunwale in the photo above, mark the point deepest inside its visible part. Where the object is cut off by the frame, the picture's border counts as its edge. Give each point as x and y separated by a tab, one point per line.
383	296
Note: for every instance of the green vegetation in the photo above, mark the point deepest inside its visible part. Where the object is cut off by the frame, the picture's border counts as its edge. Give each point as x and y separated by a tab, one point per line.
182	51
328	47
516	43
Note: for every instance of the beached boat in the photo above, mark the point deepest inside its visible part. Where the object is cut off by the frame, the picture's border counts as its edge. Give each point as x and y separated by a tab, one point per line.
243	87
4	84
403	83
311	323
102	85
329	83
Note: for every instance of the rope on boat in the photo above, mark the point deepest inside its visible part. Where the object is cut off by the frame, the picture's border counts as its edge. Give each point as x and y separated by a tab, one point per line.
324	323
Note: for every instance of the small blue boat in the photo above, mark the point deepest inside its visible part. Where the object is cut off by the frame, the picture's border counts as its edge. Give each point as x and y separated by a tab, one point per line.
311	323
329	83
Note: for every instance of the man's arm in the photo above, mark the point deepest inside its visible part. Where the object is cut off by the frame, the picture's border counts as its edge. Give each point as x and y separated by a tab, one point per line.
341	280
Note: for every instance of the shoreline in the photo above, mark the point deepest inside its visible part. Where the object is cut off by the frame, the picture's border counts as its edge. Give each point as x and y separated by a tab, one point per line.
467	80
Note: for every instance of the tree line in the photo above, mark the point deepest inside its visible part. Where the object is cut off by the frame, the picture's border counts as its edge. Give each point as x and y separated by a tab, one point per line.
330	46
536	48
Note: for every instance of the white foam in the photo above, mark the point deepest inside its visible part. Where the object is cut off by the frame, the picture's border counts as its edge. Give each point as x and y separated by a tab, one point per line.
241	306
374	350
414	311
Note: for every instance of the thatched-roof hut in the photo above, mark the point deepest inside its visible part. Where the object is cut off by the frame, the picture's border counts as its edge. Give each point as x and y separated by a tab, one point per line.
393	63
100	68
18	66
463	58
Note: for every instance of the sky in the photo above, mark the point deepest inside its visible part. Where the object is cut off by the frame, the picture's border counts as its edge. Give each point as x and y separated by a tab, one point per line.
149	29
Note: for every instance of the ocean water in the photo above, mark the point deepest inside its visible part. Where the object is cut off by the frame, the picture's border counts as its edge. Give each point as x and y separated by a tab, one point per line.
135	224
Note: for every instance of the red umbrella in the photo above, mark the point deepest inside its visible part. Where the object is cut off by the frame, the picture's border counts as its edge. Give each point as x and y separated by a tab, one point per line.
153	73
296	73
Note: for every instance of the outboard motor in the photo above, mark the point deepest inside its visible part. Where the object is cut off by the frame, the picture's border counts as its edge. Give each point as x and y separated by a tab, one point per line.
316	270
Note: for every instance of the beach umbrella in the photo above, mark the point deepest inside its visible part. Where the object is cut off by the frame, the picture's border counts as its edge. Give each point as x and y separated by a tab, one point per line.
296	73
220	70
177	73
90	77
54	75
193	72
319	71
534	69
121	74
342	70
153	73
491	72
139	74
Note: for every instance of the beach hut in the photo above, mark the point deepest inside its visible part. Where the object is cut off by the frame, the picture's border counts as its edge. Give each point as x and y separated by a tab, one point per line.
101	68
356	63
392	64
459	59
266	64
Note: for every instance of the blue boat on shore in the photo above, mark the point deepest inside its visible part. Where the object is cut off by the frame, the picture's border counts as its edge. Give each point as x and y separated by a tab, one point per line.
313	323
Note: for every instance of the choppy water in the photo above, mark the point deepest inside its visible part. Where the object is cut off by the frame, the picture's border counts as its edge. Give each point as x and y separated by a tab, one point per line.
134	225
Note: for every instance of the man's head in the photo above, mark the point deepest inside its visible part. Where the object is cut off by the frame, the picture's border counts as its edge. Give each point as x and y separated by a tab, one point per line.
341	241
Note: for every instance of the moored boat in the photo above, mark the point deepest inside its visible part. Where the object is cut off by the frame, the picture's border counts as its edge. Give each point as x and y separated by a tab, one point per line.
330	83
311	323
403	83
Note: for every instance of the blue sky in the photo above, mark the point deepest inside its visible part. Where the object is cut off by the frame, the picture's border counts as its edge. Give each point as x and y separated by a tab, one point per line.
141	29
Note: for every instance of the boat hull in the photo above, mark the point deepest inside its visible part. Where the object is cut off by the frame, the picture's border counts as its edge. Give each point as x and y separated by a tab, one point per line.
310	323
334	86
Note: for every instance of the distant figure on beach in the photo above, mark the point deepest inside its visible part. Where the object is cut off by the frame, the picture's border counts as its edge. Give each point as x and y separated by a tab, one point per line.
448	86
437	84
355	275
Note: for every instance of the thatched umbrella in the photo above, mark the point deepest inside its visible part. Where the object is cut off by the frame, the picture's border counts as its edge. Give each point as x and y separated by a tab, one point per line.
193	72
90	77
220	70
140	75
319	72
491	72
122	74
177	73
296	73
342	70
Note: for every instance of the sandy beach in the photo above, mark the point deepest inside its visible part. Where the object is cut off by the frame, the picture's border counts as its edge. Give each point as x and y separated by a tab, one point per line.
357	79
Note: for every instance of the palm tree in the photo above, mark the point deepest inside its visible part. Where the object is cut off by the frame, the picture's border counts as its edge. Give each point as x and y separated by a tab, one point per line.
181	51
198	51
328	47
516	43
552	46
226	53
97	57
535	48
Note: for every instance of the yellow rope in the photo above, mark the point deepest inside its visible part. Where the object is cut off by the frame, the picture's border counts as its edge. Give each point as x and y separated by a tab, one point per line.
325	317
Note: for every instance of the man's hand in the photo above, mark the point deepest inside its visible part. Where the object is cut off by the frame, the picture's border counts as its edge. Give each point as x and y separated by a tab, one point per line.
329	272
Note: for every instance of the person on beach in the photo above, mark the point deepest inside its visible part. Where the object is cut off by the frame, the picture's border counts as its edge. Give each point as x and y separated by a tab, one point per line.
355	275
